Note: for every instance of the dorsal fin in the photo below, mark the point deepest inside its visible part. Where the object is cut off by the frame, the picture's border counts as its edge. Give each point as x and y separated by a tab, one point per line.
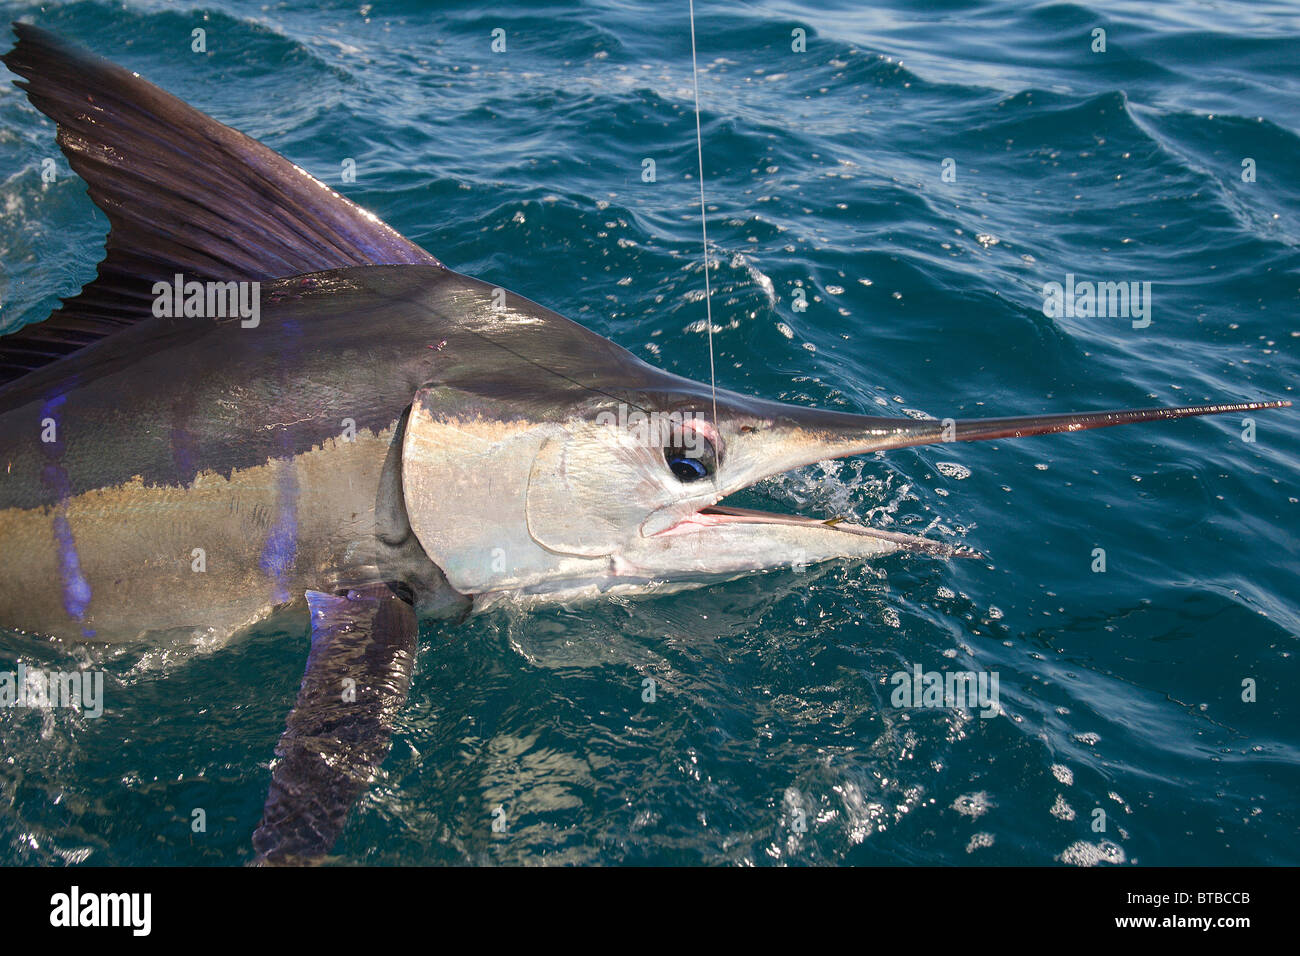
182	193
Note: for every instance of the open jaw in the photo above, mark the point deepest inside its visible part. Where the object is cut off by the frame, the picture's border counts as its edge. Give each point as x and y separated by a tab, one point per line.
904	542
713	544
720	516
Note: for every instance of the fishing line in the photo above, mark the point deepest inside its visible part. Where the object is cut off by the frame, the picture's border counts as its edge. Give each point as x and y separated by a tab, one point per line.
704	224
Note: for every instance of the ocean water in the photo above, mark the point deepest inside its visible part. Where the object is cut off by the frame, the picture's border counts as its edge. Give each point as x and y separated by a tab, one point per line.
772	738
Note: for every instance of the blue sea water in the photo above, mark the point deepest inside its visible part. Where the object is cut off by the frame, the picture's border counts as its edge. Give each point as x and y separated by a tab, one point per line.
773	738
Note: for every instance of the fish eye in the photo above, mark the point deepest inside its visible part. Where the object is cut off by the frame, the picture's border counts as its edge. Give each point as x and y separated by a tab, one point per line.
687	469
692	457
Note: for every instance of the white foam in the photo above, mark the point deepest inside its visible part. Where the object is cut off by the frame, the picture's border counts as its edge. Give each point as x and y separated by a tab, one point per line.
973	805
1082	853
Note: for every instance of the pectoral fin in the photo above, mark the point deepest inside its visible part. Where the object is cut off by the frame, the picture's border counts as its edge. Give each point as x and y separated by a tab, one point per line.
358	675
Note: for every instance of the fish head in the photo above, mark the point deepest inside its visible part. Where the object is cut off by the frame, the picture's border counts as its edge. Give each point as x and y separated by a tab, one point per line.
622	489
545	461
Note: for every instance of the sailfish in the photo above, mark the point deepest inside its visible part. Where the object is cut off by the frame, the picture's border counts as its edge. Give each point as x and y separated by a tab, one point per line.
384	441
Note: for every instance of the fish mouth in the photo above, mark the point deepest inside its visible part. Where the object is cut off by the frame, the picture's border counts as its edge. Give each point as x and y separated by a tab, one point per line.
720	516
